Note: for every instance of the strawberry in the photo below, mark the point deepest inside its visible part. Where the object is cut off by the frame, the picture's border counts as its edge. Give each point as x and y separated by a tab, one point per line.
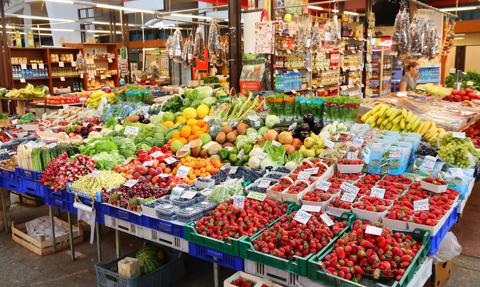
350	161
317	196
398	179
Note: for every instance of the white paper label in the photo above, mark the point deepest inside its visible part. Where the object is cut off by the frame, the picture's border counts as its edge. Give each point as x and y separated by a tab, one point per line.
329	144
257	196
233	170
326	219
22	80
81	75
65	106
170	160
52	145
241	154
275	143
176	192
95	172
238	201
182	171
348	197
62	79
323	185
460	135
74	64
312	170
264	183
349	188
292	127
157	154
41	66
23	66
377	192
131	130
304	175
34	66
421	205
352	155
456	172
110	60
130	182
429	162
148	163
61	64
311	208
395	154
302	217
373	230
102	77
189	194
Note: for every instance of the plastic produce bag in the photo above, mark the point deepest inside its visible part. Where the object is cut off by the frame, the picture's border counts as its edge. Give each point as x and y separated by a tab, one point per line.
214	44
199	44
449	248
177	46
170	48
401	35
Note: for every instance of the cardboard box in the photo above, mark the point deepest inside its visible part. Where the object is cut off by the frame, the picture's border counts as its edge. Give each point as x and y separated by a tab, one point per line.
129	267
441	273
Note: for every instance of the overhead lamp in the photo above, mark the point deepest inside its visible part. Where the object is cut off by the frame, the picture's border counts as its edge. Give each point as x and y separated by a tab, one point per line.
191	16
121	8
335	10
100	31
23	33
61	1
351	13
453	9
106	23
311	7
40	18
52	29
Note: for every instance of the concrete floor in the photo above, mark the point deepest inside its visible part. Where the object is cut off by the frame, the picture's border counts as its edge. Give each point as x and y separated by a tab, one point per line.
21	268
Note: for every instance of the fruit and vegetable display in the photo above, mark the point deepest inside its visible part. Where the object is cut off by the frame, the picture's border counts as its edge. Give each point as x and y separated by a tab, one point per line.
473	132
30	91
63	170
462	95
470	76
458	150
150	258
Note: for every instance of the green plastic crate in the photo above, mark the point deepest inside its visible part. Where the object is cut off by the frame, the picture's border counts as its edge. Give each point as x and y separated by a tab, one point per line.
297	265
318	273
231	247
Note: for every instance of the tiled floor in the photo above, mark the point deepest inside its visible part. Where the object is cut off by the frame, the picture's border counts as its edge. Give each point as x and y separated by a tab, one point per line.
20	268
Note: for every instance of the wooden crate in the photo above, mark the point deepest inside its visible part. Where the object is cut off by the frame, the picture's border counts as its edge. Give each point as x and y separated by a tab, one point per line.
44	247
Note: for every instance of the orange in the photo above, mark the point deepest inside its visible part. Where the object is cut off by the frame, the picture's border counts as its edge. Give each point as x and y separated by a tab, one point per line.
169	124
183	140
201	123
191	138
185	131
205	129
175	134
192	122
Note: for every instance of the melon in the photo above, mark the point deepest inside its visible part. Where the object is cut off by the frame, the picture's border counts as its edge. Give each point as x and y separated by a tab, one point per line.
195	147
183	152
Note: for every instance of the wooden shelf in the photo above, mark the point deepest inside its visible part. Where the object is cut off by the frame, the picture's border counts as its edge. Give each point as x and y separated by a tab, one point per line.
66	77
32	79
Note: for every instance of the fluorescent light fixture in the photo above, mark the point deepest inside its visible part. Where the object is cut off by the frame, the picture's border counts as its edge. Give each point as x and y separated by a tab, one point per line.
459	36
351	13
53	29
100	31
311	7
335	10
191	16
121	8
40	18
106	23
60	1
463	8
23	33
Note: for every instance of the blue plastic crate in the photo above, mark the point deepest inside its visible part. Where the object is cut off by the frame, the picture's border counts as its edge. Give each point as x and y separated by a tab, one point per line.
437	239
163	226
11	184
28	174
58	199
215	256
120	213
34	188
7	174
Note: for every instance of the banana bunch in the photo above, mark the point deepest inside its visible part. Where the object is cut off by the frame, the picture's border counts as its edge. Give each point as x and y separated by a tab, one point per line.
28	92
96	97
384	117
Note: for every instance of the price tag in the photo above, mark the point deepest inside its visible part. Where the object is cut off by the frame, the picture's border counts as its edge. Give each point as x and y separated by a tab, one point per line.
130	182
323	185
377	192
295	70
311	208
41	66
157	154
275	143
52	145
373	230
329	144
164	175
292	126
352	155
34	66
302	216
241	154
459	135
303	175
102	77
189	194
81	75
312	170
22	80
377	146
131	130
61	64
257	196
421	205
23	66
348	197
456	172
264	183
74	64
395	154
62	79
469	83
65	106
349	188
95	172
170	160
182	171
148	163
326	219
176	192
233	170
429	162
238	201
110	60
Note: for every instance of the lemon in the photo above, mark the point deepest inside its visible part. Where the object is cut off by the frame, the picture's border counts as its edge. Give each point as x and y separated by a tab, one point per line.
168	124
181	119
190	113
202	111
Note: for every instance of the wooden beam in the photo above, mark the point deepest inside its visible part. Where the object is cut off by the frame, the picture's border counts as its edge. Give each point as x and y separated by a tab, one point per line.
160	43
467	26
235	33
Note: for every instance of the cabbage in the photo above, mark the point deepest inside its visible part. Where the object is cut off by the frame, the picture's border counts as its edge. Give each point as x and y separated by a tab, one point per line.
254	162
209	101
107	160
271	121
204	91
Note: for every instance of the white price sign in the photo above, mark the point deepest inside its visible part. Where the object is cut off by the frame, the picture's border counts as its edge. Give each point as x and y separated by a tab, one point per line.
176	192
323	185
238	201
429	162
456	172
74	64
257	196
352	155
189	194
34	66
459	135
131	130
312	170
130	182
373	230
157	154
170	160
421	205
275	143
329	144
41	66
302	217
22	80
349	188
61	64
62	79
348	197
182	171
233	170
110	60
264	183
304	175
377	192
326	219
241	154
311	208
148	163
23	66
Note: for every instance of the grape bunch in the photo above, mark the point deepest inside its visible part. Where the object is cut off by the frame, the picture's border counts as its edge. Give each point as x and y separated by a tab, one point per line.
458	151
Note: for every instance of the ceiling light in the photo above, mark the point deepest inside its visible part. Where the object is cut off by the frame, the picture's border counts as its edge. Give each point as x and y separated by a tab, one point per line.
23	33
335	10
60	1
311	7
107	23
39	18
351	13
100	31
53	29
191	16
450	9
121	8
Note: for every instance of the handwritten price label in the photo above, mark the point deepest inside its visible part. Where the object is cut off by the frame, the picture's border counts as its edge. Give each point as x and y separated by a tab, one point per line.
148	163
303	175
189	194
329	144
238	201
311	208
323	185
170	160
130	130
130	182
176	192
348	197
61	64
357	142
459	135
326	219
264	183
257	196
312	170
377	192
352	155
429	162
349	188
157	154
302	217
395	154
182	171
456	172
233	170
421	205
374	230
